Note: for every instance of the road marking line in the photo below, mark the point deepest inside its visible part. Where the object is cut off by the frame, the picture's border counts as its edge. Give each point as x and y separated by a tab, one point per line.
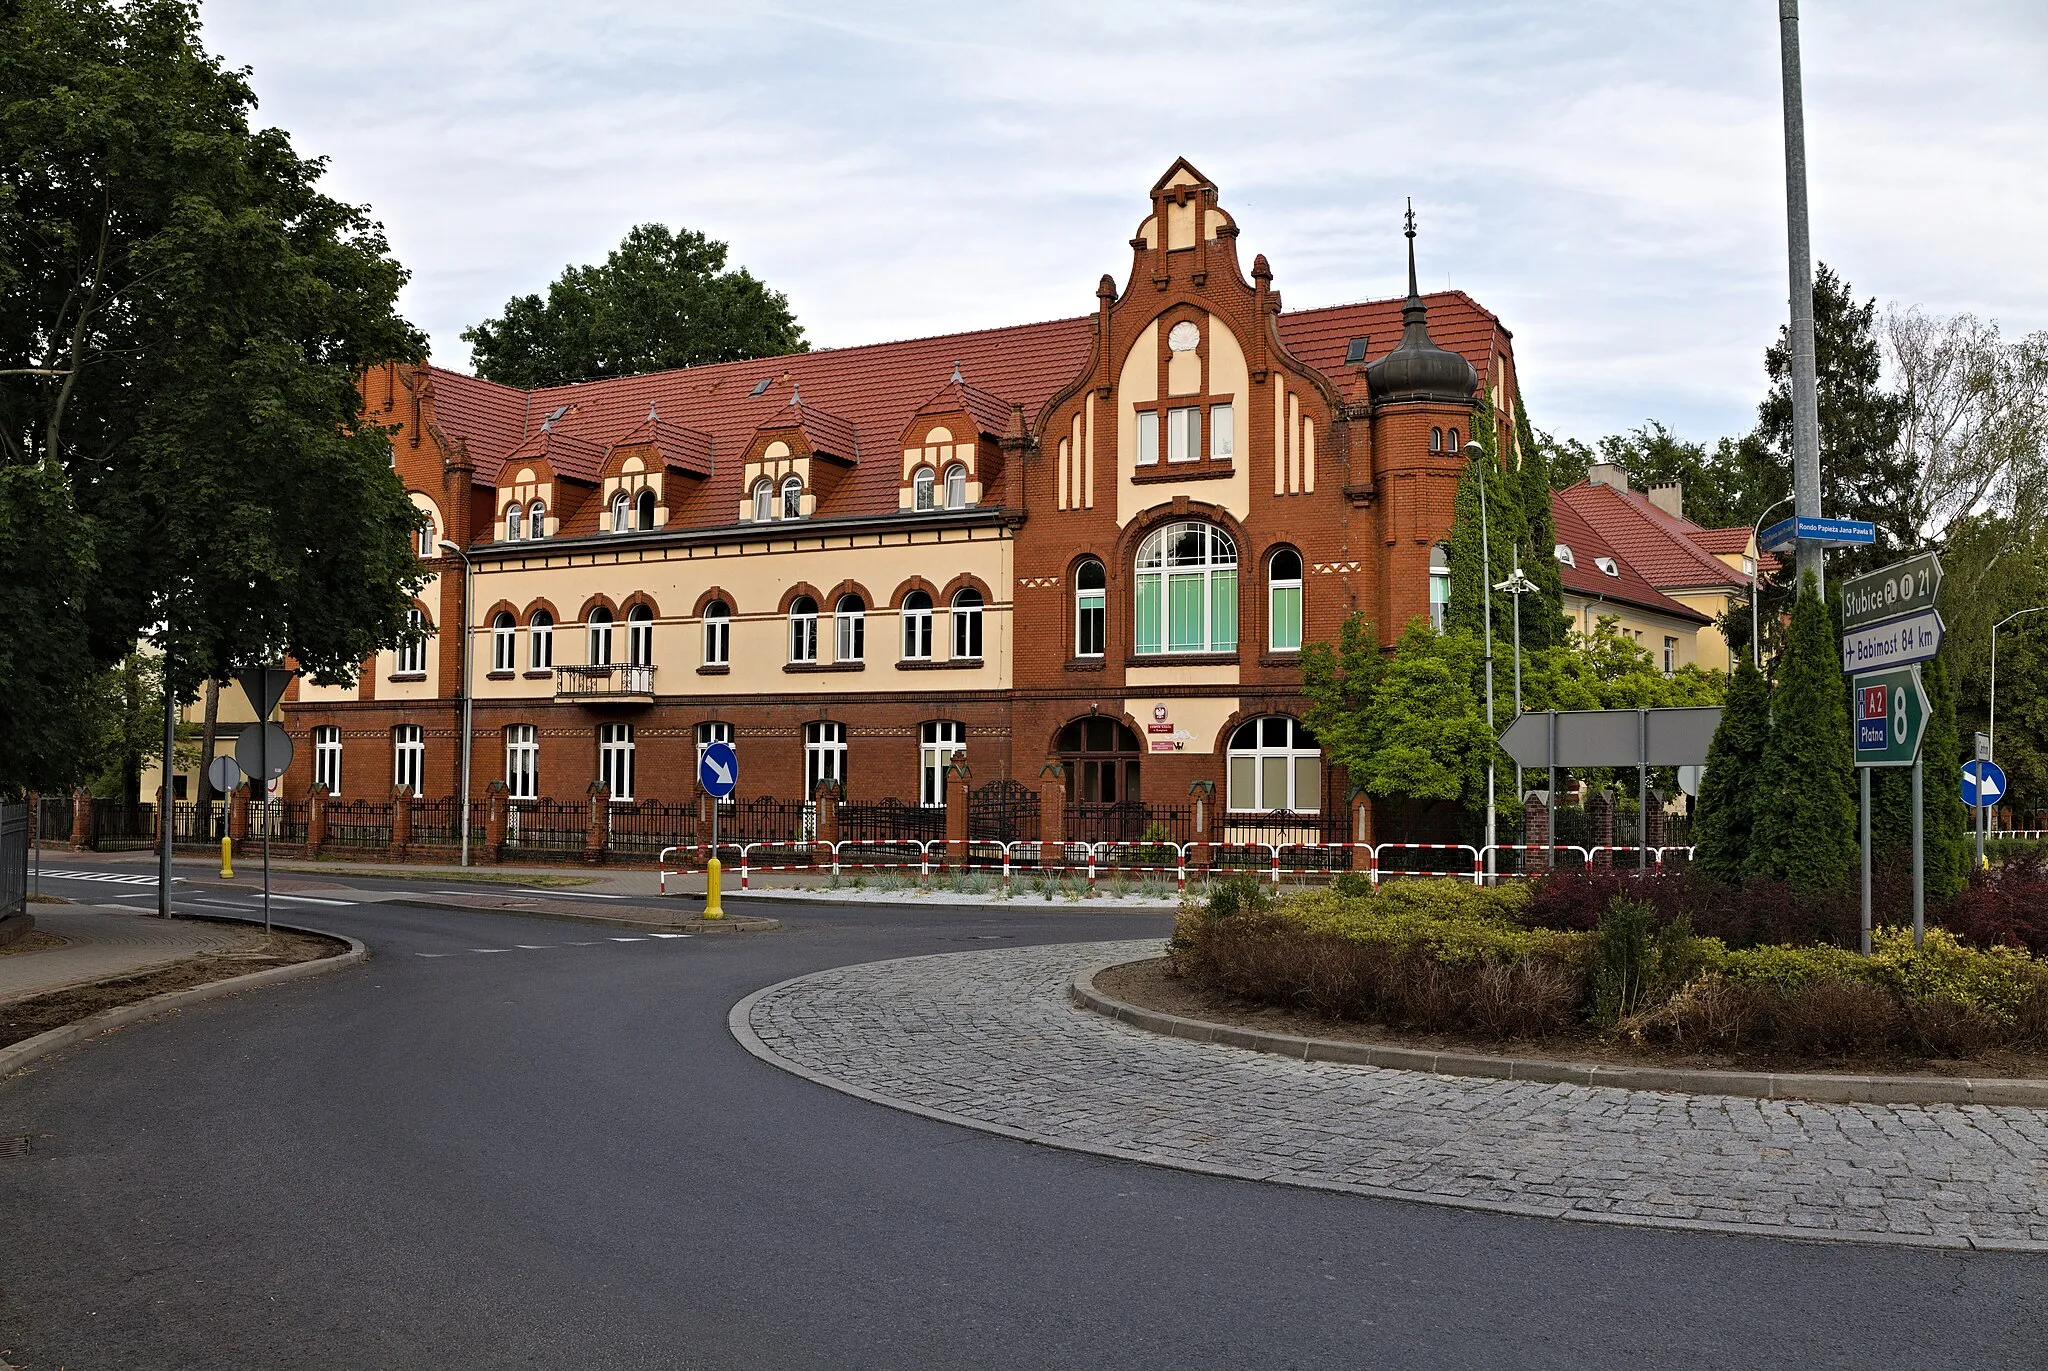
490	949
311	899
568	894
535	947
221	904
629	940
432	954
668	935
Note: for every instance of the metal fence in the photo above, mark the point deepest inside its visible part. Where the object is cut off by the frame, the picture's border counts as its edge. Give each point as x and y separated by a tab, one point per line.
14	843
434	821
1130	821
644	829
359	823
1004	811
54	814
891	821
117	823
547	826
1305	841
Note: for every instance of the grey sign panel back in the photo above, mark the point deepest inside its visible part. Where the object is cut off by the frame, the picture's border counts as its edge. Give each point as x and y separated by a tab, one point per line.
1615	737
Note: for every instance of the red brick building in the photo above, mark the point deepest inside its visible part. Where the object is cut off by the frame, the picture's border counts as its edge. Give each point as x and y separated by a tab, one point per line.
1097	542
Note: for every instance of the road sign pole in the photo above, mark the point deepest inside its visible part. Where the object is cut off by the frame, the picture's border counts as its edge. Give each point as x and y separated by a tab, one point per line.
1864	772
712	908
1799	259
1550	799
1642	790
263	779
165	810
1919	860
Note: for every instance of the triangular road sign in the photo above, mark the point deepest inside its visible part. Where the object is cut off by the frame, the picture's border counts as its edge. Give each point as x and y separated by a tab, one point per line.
264	685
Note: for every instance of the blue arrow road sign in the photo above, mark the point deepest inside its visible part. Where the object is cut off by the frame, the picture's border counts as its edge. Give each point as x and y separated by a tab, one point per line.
1788	533
1983	784
718	770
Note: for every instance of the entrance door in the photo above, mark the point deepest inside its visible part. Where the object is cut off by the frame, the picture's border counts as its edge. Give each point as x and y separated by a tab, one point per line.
1102	762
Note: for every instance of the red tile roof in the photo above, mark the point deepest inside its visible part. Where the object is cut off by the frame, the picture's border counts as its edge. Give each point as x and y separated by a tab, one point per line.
1659	545
866	396
1584	576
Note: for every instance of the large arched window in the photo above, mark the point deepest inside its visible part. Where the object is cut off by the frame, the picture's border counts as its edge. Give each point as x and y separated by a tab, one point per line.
850	629
792	497
621	518
764	500
600	626
917	626
644	510
537	520
1275	763
1283	600
921	487
515	523
540	640
966	617
1439	585
1185	598
504	642
956	487
640	636
803	629
717	634
1090	611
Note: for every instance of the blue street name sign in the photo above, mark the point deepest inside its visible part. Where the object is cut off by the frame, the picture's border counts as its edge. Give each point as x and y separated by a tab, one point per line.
718	770
1983	784
1789	533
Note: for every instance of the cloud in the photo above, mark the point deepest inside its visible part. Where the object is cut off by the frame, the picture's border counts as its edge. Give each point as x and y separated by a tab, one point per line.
1607	176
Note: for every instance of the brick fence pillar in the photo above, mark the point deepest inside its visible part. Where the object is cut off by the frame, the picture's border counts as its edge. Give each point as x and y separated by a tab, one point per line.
598	829
1536	833
496	812
825	798
316	820
1652	821
1361	832
1052	815
1600	810
1201	838
238	814
401	821
957	774
81	820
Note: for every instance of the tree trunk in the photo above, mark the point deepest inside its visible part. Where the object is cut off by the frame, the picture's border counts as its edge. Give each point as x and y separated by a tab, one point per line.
206	741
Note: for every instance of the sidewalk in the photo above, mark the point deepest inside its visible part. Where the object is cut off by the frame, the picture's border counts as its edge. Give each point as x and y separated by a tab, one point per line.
99	943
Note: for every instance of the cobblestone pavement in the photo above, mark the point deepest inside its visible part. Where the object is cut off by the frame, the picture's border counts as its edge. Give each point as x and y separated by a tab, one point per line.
989	1040
100	943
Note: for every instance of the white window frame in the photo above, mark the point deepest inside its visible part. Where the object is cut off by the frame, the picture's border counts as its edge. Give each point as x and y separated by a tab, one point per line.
1439	585
937	741
540	641
824	756
1253	779
803	629
644	505
597	635
640	636
615	760
1278	584
917	627
956	486
717	634
327	758
621	521
1184	434
1148	438
849	629
1222	433
412	654
504	641
1156	563
1091	608
428	544
792	497
709	732
923	491
522	762
536	521
963	614
1670	655
409	758
764	500
515	523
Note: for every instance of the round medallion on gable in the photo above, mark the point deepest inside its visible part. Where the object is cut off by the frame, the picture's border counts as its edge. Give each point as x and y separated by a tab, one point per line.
1185	336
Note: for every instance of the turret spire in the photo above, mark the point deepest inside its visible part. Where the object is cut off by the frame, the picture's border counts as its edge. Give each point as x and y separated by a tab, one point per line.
1417	369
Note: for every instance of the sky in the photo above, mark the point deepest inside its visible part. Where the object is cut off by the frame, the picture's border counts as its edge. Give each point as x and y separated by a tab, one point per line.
1606	176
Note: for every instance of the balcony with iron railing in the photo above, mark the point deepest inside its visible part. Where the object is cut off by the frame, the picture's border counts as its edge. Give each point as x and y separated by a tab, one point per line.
614	684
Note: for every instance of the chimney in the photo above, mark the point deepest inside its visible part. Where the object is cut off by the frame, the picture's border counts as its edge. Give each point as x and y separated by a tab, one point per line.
1670	499
1607	474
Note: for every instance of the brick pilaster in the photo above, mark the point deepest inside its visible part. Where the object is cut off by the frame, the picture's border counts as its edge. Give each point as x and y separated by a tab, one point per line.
316	820
401	821
1052	815
957	775
597	831
1600	809
1536	833
238	813
497	813
81	820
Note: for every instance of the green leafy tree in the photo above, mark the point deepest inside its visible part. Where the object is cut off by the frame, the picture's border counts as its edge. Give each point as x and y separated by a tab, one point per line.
1427	724
1566	460
1945	836
1504	526
1338	681
1543	621
183	316
1716	481
46	660
1728	795
1804	828
662	299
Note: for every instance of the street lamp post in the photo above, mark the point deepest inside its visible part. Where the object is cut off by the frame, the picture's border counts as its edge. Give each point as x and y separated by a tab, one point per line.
1518	585
462	806
1473	452
1756	639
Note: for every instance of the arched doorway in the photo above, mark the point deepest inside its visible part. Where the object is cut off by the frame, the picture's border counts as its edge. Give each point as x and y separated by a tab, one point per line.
1102	759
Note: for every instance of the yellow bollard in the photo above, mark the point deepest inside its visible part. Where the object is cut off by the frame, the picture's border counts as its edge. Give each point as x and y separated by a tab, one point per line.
227	870
712	909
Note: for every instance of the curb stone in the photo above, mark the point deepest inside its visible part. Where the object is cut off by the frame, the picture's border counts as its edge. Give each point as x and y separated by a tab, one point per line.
1822	1088
20	1054
739	1024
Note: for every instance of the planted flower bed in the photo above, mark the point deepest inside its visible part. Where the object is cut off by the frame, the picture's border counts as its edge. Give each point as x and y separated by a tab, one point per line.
1670	966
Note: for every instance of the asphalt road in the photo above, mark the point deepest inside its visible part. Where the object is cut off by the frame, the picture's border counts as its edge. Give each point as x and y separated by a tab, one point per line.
554	1155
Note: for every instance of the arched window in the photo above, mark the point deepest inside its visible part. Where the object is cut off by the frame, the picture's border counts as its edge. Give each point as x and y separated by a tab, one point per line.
824	756
600	626
615	759
515	524
1436	440
620	514
966	617
640	636
428	544
644	506
917	626
1451	443
1102	758
1275	763
504	642
1185	599
921	497
803	629
717	634
764	500
1283	600
956	487
537	520
936	743
412	653
850	625
792	497
1090	609
1439	585
540	640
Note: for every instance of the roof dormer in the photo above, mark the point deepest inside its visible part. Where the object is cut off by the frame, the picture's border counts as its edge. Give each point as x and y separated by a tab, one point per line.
794	462
952	449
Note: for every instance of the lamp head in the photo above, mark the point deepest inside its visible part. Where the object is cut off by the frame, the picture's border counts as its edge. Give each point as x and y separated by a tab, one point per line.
1472	450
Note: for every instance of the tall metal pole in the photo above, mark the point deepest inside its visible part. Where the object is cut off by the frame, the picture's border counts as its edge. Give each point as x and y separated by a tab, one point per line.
1476	453
1864	773
1919	859
467	630
1805	402
165	811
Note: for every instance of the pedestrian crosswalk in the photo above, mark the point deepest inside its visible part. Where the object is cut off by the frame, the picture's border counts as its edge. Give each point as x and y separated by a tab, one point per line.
114	877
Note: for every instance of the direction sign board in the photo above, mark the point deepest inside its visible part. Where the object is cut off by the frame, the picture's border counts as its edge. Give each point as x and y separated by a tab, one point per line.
1613	737
1895	642
1891	716
1902	588
264	750
1983	784
1805	528
718	770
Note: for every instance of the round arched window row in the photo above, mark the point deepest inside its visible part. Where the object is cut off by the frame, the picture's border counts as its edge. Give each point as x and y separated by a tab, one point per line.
1090	609
1283	600
717	634
1275	764
849	629
504	642
1185	595
803	629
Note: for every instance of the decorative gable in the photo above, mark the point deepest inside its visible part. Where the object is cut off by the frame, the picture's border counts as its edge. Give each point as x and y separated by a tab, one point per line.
952	449
816	448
